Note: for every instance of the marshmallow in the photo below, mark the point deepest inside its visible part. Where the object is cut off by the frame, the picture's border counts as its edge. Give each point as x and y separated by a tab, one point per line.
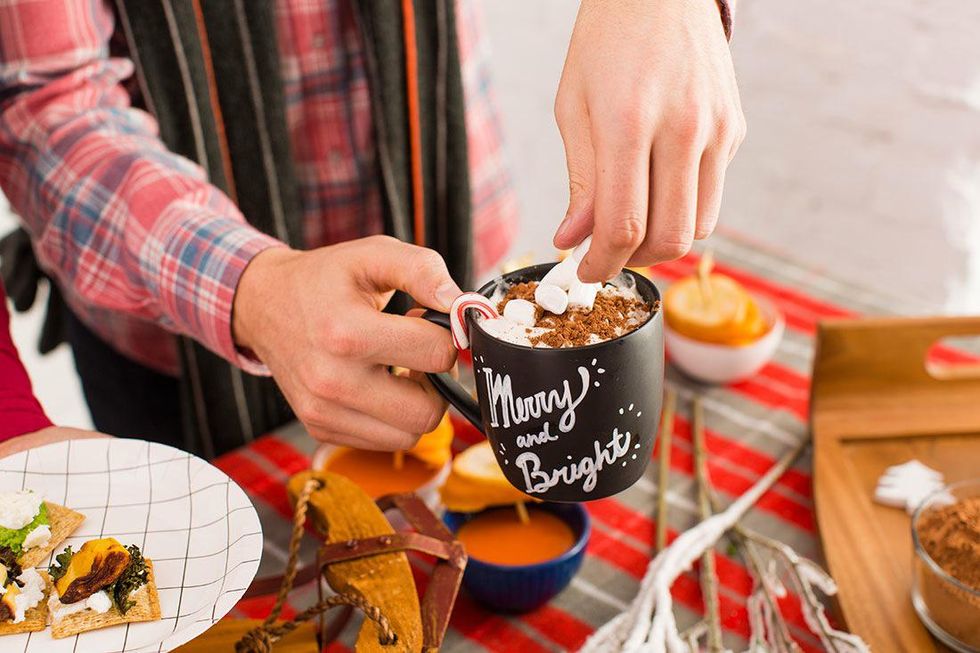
583	295
520	311
581	249
563	274
551	298
907	485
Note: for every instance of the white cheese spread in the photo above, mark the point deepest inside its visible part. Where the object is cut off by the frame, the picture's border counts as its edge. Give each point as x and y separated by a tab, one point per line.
18	509
98	603
30	595
40	536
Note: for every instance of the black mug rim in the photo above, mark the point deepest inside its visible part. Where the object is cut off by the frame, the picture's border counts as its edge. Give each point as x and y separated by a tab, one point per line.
531	272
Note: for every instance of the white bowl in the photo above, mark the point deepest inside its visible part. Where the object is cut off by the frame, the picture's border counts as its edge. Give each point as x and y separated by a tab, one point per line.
428	492
715	363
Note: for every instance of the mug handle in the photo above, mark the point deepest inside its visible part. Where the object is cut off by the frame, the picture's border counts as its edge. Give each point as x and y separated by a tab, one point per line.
449	387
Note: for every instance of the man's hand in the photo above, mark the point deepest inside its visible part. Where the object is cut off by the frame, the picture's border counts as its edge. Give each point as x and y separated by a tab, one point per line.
649	111
314	318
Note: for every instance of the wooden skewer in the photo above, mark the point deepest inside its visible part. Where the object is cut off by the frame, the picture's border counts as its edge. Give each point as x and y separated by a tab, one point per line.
709	575
522	512
663	476
705	266
399	460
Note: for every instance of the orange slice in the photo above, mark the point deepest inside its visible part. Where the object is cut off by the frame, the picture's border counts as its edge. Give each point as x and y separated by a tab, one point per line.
728	316
753	327
701	318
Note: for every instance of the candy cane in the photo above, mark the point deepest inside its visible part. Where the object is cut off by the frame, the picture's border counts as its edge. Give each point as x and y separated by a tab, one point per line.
457	316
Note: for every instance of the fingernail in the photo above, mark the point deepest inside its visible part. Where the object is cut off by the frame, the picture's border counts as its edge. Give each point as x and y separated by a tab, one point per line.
446	294
563	227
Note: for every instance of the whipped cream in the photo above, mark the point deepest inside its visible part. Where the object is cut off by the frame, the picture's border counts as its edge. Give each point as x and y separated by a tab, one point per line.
18	509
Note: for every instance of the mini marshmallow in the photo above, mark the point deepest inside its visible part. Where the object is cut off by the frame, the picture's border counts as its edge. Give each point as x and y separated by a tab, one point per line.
581	249
551	298
563	275
583	295
906	485
520	311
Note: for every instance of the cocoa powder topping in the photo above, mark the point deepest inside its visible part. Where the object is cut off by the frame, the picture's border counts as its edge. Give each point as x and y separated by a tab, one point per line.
611	316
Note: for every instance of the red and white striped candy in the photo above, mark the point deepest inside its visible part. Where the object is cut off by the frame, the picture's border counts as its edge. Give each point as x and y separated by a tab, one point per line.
457	316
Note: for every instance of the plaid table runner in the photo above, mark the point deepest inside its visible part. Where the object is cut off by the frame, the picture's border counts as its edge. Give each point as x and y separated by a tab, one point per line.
749	425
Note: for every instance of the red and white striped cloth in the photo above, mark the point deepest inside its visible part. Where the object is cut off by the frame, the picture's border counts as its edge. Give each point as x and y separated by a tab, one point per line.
750	424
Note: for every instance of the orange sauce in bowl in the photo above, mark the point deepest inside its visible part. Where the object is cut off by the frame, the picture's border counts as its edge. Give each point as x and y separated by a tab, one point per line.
375	473
498	536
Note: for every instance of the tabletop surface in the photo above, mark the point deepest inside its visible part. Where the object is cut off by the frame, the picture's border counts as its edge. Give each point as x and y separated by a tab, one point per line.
749	425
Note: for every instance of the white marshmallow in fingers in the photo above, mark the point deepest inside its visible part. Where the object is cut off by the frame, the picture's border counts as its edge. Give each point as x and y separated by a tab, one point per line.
582	295
520	311
581	249
563	274
551	298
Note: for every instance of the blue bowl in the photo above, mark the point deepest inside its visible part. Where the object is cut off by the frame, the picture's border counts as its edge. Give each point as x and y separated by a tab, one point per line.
522	588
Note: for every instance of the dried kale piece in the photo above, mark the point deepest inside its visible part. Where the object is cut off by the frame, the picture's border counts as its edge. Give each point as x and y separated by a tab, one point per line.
135	576
62	560
8	558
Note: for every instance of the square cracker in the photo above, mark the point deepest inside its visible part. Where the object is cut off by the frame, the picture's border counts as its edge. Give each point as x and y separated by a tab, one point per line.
64	522
36	619
147	608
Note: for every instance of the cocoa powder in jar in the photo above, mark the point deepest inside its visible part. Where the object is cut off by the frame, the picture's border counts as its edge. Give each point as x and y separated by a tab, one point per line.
950	535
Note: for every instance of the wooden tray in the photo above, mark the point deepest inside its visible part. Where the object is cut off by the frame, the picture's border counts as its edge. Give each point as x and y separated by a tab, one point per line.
876	403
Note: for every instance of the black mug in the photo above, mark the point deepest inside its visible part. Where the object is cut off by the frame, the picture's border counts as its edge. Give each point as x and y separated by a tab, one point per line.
568	424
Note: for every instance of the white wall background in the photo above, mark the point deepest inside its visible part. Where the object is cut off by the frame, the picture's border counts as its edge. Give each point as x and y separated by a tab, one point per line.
863	154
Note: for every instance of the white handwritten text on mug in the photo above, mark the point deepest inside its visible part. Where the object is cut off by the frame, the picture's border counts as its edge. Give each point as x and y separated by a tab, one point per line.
537	481
521	409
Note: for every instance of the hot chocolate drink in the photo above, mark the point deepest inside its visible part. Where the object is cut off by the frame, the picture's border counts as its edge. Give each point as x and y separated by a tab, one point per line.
568	377
615	308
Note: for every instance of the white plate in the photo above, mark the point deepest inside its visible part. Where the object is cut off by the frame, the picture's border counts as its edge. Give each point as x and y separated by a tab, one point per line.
196	525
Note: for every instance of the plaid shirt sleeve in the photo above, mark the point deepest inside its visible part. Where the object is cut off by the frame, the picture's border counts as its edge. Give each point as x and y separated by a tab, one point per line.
115	217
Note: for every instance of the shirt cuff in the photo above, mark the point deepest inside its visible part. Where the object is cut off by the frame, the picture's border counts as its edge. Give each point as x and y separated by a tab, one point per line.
197	261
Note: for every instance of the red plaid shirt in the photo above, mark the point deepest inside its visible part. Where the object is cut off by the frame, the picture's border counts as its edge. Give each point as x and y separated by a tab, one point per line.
140	243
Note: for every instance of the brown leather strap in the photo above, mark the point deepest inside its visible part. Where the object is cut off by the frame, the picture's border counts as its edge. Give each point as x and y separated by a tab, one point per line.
354	549
417	513
432	538
262	638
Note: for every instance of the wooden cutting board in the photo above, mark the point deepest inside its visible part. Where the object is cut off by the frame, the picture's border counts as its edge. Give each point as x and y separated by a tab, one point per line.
875	402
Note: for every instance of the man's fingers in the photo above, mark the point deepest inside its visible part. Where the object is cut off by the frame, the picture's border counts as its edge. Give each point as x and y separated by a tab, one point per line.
399	340
418	271
711	182
398	401
573	125
673	203
422	407
330	421
621	202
